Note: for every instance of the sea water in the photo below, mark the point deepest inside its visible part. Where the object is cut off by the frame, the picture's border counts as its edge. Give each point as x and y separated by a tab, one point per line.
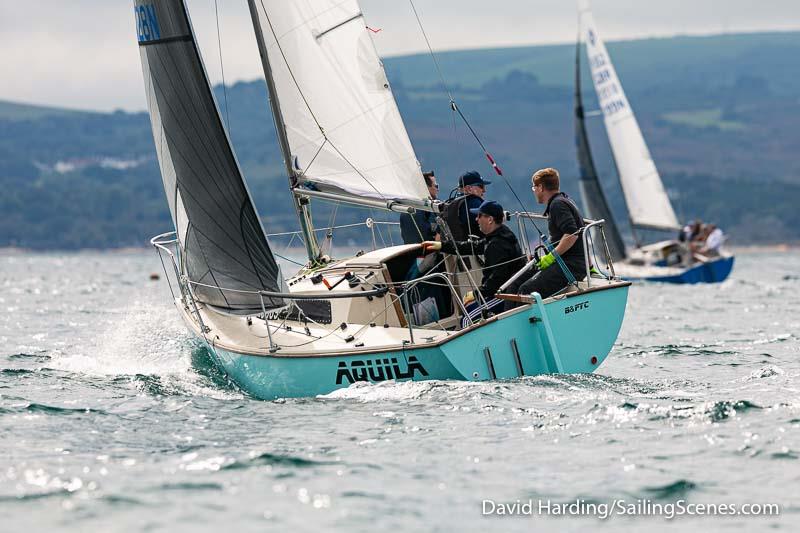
113	419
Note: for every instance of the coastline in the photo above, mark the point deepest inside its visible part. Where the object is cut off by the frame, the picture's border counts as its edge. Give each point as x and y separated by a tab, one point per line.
16	250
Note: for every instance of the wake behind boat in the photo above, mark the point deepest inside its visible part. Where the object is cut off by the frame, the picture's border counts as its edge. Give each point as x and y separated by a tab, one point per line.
648	205
335	322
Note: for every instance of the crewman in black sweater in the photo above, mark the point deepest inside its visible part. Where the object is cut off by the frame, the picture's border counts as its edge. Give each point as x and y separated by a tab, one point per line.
500	249
564	225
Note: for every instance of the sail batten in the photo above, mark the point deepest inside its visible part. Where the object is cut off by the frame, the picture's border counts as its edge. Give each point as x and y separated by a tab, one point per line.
222	241
344	133
647	200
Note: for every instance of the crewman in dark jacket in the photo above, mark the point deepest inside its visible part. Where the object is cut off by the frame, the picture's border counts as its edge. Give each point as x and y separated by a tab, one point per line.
565	225
501	251
472	190
421	226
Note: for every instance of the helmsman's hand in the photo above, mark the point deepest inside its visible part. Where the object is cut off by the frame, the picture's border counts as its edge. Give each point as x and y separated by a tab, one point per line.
431	246
546	261
469	298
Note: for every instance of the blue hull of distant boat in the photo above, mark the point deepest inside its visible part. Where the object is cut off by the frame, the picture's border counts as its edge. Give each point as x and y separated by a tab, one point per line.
714	271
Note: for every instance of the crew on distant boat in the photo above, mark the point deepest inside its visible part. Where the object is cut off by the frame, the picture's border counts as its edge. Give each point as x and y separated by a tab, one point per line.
690	231
457	213
502	254
564	225
421	226
713	241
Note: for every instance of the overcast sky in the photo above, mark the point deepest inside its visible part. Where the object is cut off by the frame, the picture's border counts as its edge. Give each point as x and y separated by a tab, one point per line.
83	54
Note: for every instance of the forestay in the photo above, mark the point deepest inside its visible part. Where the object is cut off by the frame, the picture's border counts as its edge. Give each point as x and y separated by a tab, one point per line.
594	200
222	241
344	130
647	201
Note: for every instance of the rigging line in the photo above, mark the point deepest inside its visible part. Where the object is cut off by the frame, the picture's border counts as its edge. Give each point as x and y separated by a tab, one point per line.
308	105
207	86
222	68
494	165
287	259
419	231
377	226
289	246
289	68
332	219
209	272
226	163
329	233
435	63
448	235
430	49
453	105
346	160
316	154
390	302
457	109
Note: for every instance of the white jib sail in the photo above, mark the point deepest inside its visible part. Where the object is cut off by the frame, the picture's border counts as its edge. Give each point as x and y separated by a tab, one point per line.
344	130
648	203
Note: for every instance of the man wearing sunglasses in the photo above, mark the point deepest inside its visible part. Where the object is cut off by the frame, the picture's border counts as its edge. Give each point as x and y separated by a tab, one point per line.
421	226
564	225
474	187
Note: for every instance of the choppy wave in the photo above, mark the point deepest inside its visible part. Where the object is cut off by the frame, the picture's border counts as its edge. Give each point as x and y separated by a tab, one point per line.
50	409
38	357
17	371
188	486
676	490
274	459
33	496
690	404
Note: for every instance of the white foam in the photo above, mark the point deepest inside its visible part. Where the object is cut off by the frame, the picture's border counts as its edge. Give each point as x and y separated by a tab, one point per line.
392	390
146	339
767	371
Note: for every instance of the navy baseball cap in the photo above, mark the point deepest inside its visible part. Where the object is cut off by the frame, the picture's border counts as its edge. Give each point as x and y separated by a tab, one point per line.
491	208
471	178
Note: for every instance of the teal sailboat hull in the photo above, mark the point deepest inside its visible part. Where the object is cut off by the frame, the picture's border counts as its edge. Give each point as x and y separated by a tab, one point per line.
573	334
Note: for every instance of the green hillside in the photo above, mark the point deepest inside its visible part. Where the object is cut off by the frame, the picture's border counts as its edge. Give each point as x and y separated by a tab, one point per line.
11	111
719	58
720	115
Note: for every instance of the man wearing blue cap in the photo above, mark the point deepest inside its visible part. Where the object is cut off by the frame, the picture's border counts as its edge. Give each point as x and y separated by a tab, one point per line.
500	249
474	188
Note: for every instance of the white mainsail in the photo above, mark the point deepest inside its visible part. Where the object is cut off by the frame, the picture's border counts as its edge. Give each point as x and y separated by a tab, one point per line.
344	130
648	203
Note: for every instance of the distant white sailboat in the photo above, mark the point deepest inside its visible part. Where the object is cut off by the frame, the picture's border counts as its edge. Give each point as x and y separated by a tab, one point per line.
647	202
335	321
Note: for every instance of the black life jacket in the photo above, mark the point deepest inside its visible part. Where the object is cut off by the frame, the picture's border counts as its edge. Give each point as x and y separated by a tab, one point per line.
450	216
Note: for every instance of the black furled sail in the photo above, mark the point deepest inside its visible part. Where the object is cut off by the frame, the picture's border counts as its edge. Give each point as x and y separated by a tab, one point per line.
222	241
594	201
